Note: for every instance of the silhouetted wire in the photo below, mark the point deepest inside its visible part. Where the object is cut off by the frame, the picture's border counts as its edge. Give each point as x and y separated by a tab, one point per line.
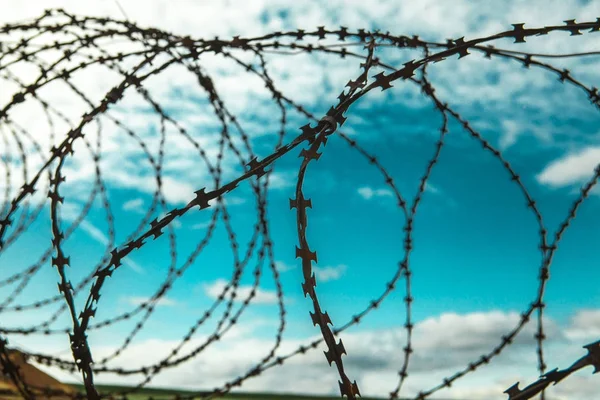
162	50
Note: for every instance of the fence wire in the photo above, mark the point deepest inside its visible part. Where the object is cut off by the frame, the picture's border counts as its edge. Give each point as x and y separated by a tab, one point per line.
75	36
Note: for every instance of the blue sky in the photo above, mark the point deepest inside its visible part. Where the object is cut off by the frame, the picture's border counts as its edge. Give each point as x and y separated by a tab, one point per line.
475	260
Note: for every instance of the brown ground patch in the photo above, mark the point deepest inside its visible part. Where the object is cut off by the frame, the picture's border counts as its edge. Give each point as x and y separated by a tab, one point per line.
31	376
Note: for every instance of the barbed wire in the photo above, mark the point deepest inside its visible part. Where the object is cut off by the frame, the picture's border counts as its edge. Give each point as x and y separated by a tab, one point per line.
78	35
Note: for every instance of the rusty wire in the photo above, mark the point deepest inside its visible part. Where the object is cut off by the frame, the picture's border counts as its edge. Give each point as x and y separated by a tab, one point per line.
85	33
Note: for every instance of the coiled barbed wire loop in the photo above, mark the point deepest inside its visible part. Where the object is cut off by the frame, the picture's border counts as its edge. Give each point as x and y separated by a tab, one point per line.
160	50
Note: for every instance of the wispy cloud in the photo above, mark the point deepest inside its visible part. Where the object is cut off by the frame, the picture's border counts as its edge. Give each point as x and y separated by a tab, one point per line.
330	273
434	20
134	205
283	267
71	211
134	266
443	345
437	191
368	193
233	200
282	179
94	232
431	188
584	324
573	168
447	342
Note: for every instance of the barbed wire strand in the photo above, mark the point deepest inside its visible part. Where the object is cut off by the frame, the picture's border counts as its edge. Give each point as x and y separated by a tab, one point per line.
162	50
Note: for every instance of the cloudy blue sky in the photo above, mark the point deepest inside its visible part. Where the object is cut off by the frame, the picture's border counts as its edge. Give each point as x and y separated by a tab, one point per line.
475	260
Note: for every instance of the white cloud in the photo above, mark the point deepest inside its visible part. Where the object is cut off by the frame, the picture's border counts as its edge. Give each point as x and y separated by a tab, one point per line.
511	131
233	200
283	267
572	168
134	265
134	205
463	81
431	188
437	191
282	180
94	232
442	346
584	325
446	342
330	273
368	193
